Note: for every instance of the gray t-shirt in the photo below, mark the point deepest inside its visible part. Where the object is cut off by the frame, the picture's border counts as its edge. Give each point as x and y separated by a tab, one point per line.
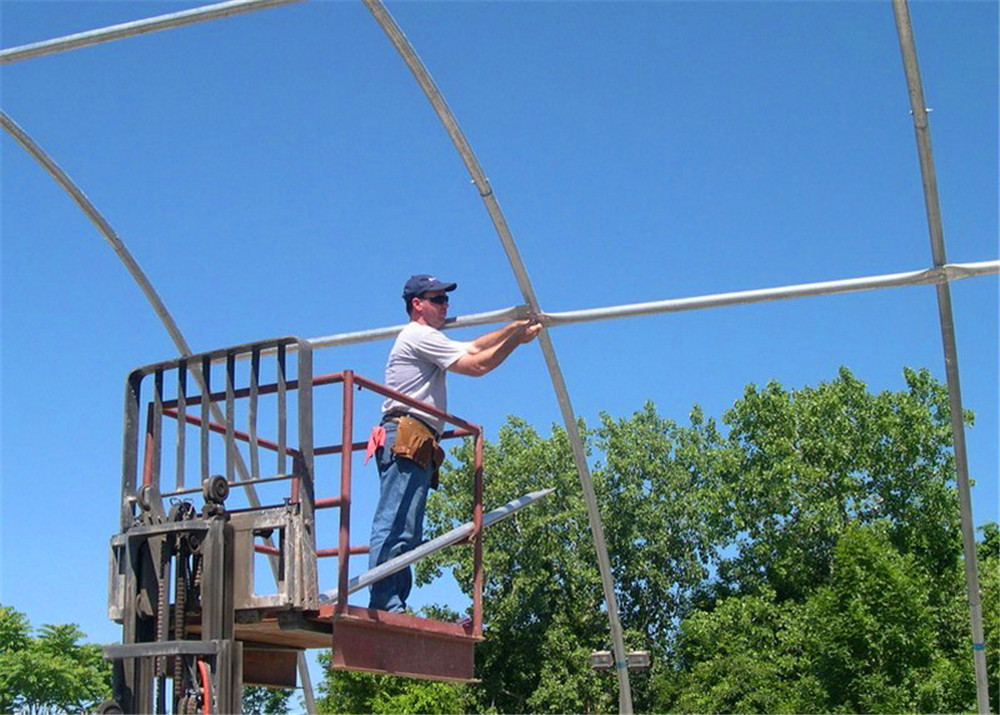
417	367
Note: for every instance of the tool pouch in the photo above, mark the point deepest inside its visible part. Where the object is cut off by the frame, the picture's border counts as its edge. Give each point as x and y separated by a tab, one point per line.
414	440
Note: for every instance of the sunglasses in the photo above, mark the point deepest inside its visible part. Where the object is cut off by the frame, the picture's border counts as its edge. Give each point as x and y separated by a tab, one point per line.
438	299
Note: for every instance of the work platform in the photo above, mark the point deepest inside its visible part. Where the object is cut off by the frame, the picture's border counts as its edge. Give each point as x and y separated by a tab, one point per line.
366	640
241	435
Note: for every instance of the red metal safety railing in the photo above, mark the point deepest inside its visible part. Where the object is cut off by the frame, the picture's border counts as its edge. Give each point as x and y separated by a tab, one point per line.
462	427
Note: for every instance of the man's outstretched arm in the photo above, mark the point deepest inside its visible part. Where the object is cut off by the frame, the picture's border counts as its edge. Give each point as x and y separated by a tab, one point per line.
488	351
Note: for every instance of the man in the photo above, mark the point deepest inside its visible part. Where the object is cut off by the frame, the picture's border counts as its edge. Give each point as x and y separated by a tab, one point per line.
407	451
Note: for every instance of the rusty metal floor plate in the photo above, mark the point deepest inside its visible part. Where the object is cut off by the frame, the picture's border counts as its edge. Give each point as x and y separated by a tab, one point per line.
397	644
369	641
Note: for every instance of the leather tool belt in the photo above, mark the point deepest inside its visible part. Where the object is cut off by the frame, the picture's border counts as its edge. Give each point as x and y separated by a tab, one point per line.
416	441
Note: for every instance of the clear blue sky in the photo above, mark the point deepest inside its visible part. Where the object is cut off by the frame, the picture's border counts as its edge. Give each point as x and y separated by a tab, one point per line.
281	173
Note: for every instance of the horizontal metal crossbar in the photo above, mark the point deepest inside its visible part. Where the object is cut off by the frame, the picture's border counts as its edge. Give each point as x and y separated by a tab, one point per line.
950	272
172	527
117	651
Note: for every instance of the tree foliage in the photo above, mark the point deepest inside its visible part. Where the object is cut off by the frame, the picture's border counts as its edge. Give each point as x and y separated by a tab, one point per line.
542	595
343	692
989	574
49	672
845	534
810	462
261	700
801	555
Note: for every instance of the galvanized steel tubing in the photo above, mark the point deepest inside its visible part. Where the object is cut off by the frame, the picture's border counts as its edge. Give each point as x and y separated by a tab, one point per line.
941	274
139	27
934	224
436	99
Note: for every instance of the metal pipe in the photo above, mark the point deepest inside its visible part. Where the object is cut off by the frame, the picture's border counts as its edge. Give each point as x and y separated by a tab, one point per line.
131	265
157	427
496	316
205	384
138	27
181	451
941	274
283	415
477	529
353	551
405	49
456	535
230	417
306	466
935	227
346	456
950	272
252	412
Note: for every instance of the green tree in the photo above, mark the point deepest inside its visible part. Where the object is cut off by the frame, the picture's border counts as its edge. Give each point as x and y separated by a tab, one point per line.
259	700
658	486
344	692
812	461
49	672
866	641
844	518
989	576
745	656
542	594
873	638
804	555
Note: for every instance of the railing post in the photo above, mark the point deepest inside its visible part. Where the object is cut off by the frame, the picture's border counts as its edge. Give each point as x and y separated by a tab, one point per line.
230	416
181	424
477	540
130	449
206	407
306	483
346	455
148	448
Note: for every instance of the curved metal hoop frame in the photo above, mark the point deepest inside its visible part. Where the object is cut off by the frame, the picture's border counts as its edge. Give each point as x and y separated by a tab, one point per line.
402	45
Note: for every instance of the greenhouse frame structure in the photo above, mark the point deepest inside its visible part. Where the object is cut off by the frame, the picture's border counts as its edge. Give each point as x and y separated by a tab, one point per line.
940	274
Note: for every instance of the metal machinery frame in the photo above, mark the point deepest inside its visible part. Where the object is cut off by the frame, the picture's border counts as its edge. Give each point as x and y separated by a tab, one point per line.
182	580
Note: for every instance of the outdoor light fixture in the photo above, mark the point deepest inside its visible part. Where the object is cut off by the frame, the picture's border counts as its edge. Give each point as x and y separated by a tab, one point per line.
605	660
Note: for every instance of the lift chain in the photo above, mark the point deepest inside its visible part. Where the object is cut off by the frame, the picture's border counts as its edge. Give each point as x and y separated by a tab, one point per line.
181	586
163	600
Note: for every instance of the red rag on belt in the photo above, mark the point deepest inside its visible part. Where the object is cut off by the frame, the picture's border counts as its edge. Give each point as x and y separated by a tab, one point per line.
375	440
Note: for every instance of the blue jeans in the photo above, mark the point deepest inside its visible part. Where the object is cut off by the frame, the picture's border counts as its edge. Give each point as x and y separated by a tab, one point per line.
399	521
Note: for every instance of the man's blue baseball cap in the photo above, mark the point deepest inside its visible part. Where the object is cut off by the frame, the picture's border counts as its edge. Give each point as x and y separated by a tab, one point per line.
423	283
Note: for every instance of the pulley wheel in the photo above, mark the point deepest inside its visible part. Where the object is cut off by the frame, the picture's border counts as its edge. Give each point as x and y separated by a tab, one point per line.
215	489
142	497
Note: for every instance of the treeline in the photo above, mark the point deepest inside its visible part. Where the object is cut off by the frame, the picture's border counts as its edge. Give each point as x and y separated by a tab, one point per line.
48	670
800	555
